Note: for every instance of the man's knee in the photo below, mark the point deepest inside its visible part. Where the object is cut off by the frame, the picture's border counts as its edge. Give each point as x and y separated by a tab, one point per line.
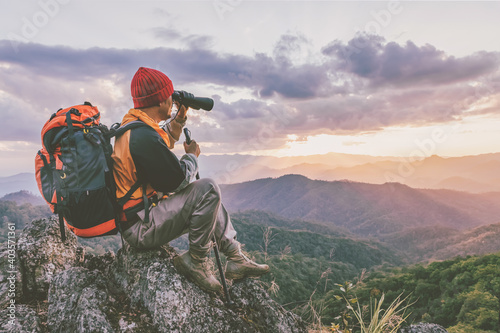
208	185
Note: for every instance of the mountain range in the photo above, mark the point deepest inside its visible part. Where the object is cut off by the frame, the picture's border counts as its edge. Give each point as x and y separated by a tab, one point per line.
420	223
22	197
477	173
21	181
364	209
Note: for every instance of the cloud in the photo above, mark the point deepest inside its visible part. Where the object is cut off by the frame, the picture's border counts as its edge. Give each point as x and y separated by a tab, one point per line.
192	41
382	84
262	73
353	143
391	64
166	33
29	96
65	62
292	48
22	121
243	125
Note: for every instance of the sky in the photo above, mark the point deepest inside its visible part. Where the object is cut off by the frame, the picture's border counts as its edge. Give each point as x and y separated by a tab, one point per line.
382	78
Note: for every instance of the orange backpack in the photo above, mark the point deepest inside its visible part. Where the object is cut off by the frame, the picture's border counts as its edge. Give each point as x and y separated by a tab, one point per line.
74	171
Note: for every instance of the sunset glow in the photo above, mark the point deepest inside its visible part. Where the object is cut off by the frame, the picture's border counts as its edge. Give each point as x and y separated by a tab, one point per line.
472	136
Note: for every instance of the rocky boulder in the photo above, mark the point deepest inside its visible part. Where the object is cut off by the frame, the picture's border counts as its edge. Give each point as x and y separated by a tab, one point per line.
424	328
132	292
23	320
10	277
78	302
176	305
42	255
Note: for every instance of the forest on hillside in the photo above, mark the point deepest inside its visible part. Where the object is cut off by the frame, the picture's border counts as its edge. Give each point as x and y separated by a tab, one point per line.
20	215
461	294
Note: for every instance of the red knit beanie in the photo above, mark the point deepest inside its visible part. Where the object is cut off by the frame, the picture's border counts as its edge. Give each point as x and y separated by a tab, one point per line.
149	87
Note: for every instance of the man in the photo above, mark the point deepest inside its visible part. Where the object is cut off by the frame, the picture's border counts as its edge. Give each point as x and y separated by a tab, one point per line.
143	161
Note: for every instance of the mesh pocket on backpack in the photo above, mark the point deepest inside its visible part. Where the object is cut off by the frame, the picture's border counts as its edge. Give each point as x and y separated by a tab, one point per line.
87	209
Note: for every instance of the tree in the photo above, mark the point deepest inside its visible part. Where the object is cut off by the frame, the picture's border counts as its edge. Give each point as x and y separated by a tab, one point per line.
489	279
479	310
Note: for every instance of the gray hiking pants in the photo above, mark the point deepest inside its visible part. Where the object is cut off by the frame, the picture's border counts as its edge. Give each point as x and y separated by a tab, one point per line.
196	210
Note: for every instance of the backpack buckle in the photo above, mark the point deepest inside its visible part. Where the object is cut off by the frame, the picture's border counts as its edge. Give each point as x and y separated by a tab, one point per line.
75	111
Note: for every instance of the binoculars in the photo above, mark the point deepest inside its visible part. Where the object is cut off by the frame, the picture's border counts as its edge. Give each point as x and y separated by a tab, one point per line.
189	100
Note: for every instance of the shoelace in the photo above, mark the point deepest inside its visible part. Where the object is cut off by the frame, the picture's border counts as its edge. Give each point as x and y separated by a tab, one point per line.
206	266
245	257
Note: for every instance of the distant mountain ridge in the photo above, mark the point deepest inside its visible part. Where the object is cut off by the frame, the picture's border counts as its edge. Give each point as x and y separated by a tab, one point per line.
419	225
478	241
22	197
363	209
477	173
22	181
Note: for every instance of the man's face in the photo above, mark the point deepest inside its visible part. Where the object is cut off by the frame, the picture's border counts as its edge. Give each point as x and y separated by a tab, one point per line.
166	109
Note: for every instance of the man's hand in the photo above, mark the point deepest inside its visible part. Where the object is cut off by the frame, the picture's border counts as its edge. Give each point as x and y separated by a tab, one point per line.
192	148
182	111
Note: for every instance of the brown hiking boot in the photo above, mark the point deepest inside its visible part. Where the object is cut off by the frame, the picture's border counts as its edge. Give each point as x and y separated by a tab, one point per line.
196	270
239	266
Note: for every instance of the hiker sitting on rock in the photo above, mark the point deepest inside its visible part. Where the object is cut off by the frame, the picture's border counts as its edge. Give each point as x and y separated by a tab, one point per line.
177	203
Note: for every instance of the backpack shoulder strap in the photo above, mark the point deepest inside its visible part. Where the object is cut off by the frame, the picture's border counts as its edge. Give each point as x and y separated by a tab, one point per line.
116	130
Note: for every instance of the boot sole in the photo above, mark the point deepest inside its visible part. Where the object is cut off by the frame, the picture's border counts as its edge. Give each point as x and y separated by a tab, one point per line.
182	269
240	276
